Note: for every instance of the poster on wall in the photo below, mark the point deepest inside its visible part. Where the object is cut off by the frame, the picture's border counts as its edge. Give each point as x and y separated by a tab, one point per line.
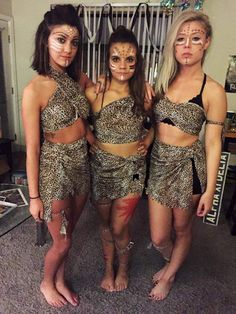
230	81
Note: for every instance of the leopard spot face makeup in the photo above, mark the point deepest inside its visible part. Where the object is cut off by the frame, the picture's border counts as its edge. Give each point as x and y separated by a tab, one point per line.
122	61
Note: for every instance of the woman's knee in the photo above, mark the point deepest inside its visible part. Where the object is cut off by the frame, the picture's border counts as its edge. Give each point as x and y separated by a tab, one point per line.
160	241
63	245
184	230
120	231
117	232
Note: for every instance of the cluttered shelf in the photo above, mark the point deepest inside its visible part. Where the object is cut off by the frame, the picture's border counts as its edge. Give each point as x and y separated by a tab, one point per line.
229	141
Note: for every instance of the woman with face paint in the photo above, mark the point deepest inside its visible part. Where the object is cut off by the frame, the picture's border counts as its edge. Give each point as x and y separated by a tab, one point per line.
118	158
58	172
183	172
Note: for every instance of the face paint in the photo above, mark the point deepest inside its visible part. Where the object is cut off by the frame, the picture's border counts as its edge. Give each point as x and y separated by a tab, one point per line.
63	44
122	60
190	43
55	45
70	31
190	35
127	208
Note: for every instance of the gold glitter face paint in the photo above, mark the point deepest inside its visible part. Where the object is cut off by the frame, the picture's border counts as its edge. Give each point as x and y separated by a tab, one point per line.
122	60
70	31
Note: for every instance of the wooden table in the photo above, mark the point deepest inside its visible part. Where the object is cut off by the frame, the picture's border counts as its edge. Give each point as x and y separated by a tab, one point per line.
229	137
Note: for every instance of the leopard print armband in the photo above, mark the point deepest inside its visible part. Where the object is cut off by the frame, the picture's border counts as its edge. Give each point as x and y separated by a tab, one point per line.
215	122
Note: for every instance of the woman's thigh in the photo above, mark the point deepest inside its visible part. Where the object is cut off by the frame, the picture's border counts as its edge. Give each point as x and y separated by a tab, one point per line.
123	209
61	219
77	206
183	219
160	220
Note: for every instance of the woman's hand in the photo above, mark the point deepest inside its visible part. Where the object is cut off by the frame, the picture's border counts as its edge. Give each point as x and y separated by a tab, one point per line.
149	93
204	205
102	84
94	147
36	209
142	148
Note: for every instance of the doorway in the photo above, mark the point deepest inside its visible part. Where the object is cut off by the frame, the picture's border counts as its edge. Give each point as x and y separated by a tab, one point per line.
8	112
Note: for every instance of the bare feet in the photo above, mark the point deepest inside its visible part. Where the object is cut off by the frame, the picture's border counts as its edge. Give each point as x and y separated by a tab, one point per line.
122	279
161	290
70	296
52	296
108	280
158	275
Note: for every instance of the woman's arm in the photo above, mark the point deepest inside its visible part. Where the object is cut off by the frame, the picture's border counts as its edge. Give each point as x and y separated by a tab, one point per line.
85	82
216	113
146	142
31	122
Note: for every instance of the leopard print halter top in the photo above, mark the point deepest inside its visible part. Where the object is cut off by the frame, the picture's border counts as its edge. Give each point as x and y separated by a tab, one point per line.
65	105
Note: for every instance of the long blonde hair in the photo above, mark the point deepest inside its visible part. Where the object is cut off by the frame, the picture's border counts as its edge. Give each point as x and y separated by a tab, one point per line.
169	65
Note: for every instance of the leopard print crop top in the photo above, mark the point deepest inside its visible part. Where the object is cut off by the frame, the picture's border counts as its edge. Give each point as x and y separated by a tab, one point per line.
66	104
188	116
117	123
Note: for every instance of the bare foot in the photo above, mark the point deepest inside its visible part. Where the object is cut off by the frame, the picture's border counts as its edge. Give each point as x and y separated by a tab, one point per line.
161	290
158	275
108	280
122	279
52	296
70	296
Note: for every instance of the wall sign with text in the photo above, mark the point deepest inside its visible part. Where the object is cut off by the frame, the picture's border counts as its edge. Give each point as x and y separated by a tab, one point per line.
212	217
230	81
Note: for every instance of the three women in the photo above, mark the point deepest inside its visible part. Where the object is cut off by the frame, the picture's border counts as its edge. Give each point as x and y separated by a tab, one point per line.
182	174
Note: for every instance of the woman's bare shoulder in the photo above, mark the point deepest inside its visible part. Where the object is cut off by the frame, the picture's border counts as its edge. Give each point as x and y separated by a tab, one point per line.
38	90
215	96
38	84
213	86
90	94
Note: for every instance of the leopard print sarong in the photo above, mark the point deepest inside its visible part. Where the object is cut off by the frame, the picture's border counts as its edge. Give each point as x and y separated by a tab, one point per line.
171	173
64	171
115	176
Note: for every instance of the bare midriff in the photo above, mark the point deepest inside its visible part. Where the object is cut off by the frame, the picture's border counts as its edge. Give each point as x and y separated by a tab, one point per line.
123	150
67	135
172	135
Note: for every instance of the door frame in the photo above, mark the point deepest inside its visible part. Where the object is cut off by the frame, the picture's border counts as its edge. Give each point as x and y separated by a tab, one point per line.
12	80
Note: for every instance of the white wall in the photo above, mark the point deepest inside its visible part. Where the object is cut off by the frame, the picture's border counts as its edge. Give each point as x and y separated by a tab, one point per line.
223	19
29	13
5	7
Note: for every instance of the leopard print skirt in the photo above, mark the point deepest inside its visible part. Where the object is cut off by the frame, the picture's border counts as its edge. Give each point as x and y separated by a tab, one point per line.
116	176
64	171
171	173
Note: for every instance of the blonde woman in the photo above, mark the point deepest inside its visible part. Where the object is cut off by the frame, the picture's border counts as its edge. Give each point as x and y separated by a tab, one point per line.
183	173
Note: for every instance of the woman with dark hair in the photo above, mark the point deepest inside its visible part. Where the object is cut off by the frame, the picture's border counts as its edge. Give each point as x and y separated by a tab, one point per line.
58	171
183	171
118	158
